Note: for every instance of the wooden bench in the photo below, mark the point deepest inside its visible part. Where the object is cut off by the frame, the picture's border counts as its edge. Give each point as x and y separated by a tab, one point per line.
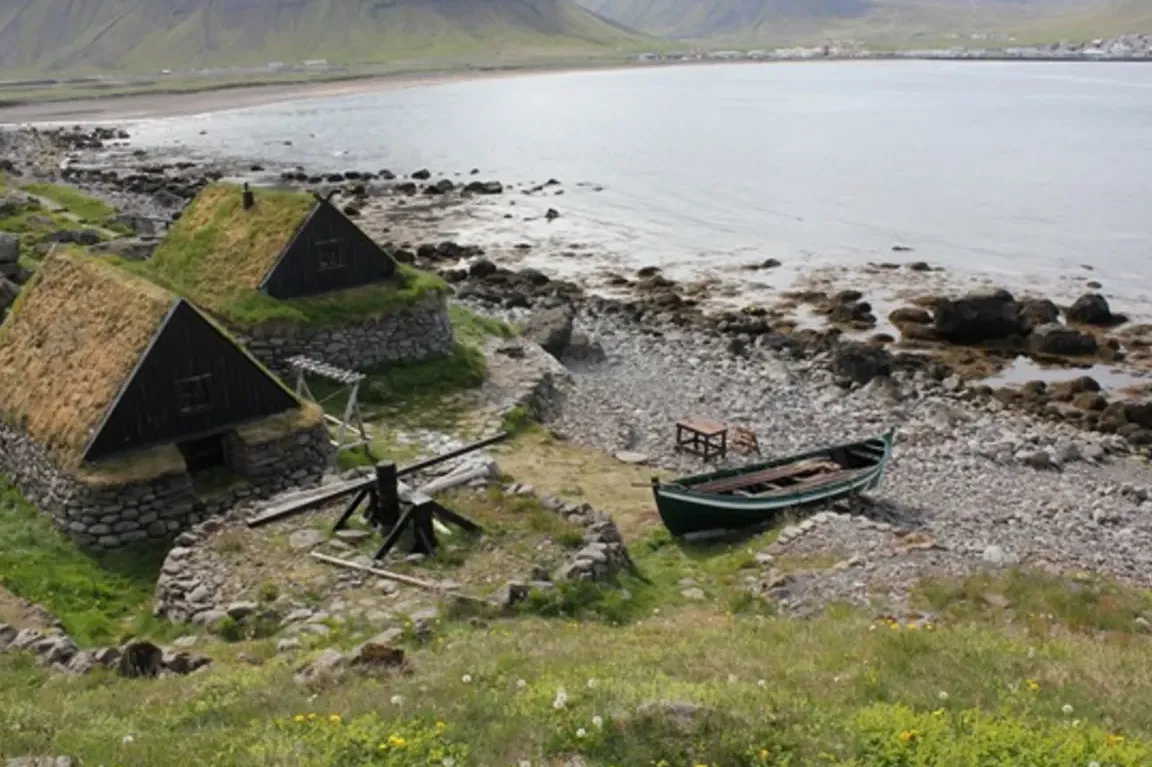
706	439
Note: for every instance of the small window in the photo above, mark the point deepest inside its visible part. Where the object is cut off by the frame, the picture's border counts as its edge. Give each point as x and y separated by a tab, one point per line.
192	394
329	255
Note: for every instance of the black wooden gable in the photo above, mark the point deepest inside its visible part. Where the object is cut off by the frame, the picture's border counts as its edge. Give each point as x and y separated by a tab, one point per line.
193	381
328	253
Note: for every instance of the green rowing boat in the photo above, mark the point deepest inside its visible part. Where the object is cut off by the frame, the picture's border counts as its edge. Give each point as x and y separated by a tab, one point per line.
749	495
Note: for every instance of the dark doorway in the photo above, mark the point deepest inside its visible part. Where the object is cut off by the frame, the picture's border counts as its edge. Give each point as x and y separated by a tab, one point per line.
206	454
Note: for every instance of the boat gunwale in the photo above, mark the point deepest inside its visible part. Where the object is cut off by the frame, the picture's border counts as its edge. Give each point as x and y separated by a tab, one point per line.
684	484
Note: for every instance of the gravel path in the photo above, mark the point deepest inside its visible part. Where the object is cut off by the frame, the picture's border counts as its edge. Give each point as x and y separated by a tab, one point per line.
980	487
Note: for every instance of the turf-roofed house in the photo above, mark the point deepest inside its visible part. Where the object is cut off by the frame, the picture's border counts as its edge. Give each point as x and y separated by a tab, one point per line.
127	414
290	275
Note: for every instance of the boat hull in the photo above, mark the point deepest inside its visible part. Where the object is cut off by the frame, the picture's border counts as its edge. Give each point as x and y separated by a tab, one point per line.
685	511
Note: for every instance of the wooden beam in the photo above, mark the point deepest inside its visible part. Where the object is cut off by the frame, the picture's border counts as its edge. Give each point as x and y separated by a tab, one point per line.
470	448
311	501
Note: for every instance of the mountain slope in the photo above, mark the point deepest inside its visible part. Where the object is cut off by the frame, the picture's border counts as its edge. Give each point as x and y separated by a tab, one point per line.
782	21
150	34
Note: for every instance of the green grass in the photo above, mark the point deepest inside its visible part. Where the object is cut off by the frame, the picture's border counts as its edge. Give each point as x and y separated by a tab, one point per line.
76	202
97	598
474	329
253	309
32	223
835	691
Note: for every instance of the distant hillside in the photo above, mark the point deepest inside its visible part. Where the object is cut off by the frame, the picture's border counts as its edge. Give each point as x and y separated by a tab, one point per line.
143	35
783	21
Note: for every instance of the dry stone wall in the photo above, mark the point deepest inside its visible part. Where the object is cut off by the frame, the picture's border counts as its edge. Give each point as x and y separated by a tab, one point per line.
119	515
422	330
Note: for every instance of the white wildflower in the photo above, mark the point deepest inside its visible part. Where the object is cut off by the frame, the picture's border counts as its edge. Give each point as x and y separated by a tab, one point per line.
598	722
448	762
761	683
127	739
731	679
397	700
466	679
581	733
1067	709
521	684
1093	764
943	695
592	684
561	699
1031	652
1075	722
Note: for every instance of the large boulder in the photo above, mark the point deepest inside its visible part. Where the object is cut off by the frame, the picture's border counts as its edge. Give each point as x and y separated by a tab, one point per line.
1035	312
77	236
977	318
860	363
551	329
910	315
8	292
9	254
1062	341
1091	309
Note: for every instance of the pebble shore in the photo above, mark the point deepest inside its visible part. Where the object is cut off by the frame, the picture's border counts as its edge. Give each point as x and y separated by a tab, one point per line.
976	485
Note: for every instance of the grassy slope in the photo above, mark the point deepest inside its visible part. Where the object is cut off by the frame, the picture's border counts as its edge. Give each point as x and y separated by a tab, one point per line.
142	36
784	21
840	690
97	599
32	222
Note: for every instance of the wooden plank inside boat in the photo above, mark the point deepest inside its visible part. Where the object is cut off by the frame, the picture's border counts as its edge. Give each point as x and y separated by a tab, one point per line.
741	481
812	483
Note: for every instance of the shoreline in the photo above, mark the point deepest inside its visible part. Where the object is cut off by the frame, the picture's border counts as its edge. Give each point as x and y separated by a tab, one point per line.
160	104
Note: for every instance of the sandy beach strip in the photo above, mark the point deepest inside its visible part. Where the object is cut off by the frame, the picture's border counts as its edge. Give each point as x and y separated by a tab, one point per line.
140	106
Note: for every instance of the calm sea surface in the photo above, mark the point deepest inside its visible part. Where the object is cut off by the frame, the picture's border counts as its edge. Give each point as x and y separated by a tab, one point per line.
1022	169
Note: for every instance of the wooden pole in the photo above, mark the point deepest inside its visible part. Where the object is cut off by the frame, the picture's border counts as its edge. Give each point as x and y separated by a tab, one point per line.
384	574
420	466
387	494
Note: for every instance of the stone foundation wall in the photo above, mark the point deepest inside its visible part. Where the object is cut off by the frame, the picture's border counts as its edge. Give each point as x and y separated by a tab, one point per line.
115	516
422	330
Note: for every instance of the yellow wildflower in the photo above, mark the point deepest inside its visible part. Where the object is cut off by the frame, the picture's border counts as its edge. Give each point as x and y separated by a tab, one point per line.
396	741
311	716
440	727
335	719
928	626
895	626
1032	684
912	627
938	712
1115	740
764	754
298	718
907	735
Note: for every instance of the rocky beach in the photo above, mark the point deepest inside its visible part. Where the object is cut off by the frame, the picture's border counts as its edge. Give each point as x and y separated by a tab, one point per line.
1050	474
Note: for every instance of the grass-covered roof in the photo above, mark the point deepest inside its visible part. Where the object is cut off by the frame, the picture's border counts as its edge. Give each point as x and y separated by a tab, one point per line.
217	254
217	250
70	342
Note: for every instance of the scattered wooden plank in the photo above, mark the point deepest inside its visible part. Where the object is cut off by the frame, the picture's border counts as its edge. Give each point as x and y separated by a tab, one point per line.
312	500
389	575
